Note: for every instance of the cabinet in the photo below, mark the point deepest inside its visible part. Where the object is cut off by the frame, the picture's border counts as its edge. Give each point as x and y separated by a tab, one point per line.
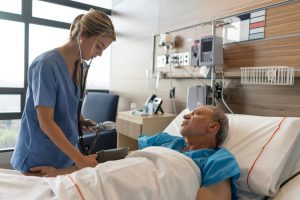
129	127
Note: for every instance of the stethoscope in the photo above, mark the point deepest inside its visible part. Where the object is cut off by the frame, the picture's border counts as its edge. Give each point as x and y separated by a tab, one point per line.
84	68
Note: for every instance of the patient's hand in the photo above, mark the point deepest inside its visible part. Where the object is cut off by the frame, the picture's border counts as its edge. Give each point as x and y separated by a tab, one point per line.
43	171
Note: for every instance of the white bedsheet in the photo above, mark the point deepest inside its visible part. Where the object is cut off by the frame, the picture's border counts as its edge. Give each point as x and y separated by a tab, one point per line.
152	173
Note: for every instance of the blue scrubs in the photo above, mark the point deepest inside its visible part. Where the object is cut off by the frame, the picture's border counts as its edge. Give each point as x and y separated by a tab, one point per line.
215	164
49	84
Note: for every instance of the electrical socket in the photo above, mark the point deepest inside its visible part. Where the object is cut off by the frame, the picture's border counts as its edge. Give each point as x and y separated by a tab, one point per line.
186	58
172	93
161	61
181	59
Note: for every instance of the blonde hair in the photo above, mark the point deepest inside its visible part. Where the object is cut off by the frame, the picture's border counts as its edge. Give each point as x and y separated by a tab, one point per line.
94	22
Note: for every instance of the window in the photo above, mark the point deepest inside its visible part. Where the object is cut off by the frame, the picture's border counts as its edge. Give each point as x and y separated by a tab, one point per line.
26	32
100	3
14	6
9	130
10	103
44	38
12	47
55	12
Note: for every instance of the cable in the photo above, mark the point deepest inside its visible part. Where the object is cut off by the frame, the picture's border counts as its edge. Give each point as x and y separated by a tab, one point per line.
173	103
170	70
172	99
222	93
92	146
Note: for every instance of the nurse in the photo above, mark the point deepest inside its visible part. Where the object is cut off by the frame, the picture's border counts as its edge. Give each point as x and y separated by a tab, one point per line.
49	124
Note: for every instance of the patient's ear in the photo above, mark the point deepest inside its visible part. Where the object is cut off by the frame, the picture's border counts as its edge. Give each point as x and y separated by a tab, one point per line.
213	127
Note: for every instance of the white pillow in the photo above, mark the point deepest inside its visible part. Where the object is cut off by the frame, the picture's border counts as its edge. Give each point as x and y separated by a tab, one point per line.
290	191
174	127
247	137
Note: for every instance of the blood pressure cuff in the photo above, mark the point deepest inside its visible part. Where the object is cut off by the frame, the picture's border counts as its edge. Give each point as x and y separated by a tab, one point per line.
112	154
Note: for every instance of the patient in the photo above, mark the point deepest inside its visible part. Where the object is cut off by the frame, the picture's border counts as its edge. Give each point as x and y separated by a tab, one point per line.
203	131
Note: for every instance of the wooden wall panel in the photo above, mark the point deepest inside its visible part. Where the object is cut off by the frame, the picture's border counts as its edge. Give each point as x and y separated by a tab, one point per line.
263	100
283	20
275	52
189	12
281	46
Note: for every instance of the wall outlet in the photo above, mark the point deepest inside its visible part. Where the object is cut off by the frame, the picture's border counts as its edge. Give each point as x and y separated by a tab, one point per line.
181	59
161	61
186	58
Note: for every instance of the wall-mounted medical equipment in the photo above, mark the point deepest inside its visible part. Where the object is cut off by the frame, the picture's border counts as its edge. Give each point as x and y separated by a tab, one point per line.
198	96
166	40
195	53
207	51
211	51
278	75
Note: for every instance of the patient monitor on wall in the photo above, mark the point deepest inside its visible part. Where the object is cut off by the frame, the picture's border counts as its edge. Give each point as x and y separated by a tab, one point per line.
207	51
198	96
211	51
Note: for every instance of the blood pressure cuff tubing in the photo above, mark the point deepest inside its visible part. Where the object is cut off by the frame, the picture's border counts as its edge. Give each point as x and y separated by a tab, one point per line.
112	154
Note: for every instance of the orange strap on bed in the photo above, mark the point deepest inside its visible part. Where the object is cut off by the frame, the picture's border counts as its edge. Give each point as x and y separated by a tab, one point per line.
278	127
77	187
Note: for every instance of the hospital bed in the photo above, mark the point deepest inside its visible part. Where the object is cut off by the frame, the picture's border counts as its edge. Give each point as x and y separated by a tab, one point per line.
266	148
268	153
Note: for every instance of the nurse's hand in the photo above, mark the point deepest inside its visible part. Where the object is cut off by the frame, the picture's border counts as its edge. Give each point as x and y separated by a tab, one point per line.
44	171
87	124
87	161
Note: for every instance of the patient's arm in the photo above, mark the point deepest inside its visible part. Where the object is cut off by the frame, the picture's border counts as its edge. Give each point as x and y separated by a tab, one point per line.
47	171
219	191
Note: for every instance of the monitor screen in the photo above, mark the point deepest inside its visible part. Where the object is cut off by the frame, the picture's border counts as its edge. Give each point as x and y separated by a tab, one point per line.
206	45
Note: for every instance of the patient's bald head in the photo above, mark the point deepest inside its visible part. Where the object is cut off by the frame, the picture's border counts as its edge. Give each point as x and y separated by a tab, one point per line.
206	126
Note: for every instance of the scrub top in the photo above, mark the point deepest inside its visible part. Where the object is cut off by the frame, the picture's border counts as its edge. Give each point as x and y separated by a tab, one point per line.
49	84
215	164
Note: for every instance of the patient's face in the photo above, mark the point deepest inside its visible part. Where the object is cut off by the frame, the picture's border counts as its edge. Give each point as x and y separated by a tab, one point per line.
196	122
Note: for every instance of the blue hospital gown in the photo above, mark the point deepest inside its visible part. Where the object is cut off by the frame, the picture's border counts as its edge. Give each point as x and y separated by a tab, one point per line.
215	164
